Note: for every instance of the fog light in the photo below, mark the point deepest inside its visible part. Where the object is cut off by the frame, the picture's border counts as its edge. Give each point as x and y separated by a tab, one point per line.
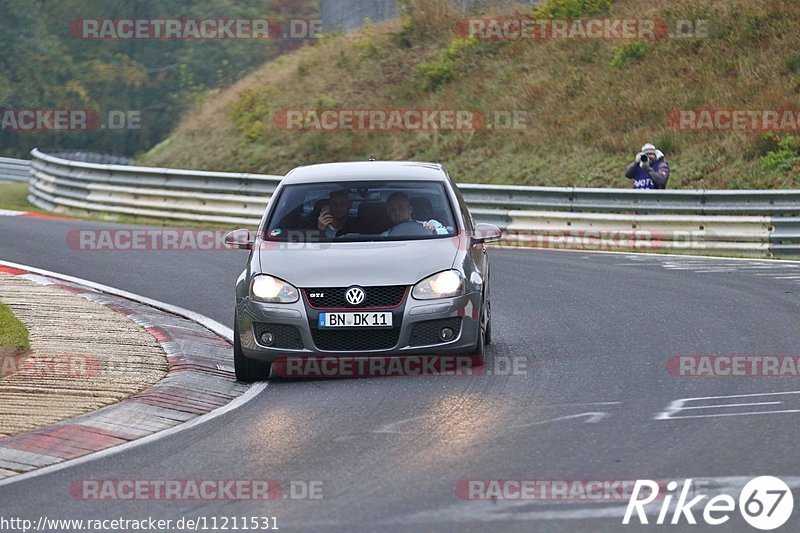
446	334
267	338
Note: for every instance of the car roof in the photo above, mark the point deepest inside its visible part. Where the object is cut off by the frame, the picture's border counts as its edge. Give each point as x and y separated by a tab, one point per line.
366	171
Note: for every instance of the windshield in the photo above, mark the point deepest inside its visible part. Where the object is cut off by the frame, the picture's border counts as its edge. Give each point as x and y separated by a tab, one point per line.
361	211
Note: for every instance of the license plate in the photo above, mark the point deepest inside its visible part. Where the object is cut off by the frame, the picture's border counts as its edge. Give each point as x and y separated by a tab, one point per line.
355	320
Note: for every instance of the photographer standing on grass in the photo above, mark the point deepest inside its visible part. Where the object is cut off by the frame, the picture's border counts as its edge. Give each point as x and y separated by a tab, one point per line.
649	170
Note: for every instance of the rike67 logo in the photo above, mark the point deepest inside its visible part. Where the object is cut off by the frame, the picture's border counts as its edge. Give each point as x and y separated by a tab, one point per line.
765	503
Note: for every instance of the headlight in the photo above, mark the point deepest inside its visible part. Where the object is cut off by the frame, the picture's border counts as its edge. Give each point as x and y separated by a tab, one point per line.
273	290
442	285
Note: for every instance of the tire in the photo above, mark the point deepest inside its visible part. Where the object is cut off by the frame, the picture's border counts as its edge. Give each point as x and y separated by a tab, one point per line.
487	334
478	357
247	370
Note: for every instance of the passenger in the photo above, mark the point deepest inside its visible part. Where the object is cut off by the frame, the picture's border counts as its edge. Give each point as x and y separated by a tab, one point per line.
334	219
400	209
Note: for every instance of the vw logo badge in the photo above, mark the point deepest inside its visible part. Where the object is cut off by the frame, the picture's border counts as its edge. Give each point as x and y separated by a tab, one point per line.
354	295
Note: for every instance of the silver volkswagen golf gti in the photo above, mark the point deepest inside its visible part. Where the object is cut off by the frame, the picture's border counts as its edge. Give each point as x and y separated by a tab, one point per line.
362	260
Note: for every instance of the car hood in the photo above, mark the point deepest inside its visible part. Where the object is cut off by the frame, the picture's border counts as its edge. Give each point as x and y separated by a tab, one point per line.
364	263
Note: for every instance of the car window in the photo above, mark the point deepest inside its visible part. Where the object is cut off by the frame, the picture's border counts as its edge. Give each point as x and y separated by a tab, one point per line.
361	211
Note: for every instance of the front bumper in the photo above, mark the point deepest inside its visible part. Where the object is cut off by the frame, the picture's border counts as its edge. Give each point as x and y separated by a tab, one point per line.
297	335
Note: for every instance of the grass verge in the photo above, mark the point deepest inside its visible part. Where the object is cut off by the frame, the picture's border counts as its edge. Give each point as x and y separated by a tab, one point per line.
13	333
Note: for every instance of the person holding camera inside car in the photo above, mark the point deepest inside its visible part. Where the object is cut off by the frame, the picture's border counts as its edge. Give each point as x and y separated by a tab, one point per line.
649	170
334	219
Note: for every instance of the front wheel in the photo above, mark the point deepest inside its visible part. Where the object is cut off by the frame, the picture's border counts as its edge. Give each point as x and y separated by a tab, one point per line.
487	335
478	357
247	370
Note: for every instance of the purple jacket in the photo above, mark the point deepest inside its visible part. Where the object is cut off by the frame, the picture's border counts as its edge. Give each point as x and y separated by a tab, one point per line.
653	177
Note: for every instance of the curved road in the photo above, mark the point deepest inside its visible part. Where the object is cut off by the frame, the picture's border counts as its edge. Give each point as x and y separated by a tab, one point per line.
590	334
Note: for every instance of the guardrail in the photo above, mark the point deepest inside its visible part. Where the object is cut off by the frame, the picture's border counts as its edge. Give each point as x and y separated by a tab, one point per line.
14	169
61	185
742	223
697	202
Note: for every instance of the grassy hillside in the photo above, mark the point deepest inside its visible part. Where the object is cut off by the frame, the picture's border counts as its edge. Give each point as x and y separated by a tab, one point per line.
590	104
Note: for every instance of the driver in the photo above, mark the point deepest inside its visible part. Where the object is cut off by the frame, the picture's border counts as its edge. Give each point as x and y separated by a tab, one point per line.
335	220
399	209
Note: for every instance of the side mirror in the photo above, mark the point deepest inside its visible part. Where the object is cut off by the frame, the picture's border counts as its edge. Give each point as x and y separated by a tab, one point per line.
239	239
485	233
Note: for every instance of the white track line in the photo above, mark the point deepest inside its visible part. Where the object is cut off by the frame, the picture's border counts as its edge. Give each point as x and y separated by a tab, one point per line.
212	325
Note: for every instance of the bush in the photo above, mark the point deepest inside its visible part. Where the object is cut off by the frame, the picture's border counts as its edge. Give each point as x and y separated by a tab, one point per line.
442	70
629	52
793	64
249	111
784	157
436	73
302	69
367	51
